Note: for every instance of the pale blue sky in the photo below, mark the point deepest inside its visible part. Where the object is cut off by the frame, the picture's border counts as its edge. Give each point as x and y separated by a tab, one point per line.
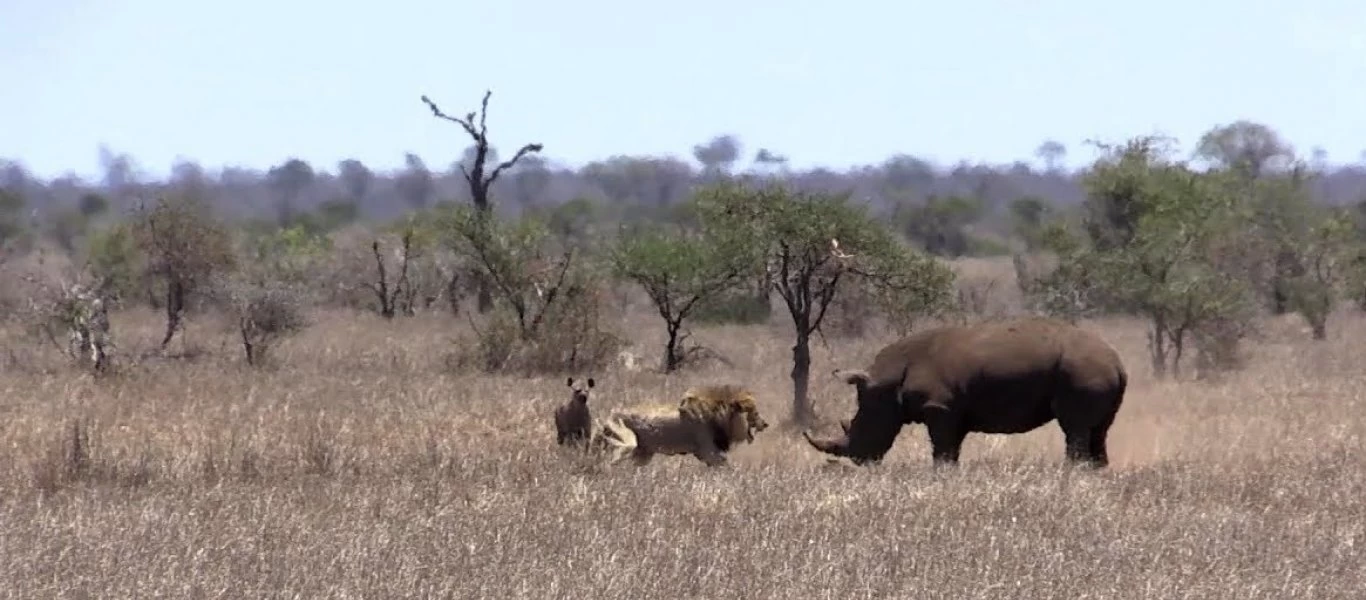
252	82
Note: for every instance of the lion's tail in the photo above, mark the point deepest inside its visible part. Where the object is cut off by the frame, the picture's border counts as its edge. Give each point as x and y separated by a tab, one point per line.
612	432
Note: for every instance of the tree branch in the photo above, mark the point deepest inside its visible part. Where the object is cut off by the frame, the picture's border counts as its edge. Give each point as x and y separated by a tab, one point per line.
825	297
484	114
566	260
465	123
510	162
480	239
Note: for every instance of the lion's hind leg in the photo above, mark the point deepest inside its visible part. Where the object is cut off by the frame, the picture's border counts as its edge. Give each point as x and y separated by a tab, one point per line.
641	456
619	440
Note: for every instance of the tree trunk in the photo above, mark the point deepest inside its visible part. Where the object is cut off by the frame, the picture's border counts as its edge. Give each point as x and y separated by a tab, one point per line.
485	298
1178	348
672	357
247	346
801	379
1157	346
480	197
453	292
175	303
1319	324
148	283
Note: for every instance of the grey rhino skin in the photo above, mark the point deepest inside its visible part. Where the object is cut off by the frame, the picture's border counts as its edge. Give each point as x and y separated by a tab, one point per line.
996	377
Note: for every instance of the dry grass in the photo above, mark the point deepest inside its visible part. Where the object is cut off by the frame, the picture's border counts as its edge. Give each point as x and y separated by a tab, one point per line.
362	468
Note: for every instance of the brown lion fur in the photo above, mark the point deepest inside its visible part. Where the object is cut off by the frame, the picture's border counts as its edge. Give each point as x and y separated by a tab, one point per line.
716	404
705	423
573	420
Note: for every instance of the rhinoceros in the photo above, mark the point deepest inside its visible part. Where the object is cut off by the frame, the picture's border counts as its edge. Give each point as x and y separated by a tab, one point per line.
1008	376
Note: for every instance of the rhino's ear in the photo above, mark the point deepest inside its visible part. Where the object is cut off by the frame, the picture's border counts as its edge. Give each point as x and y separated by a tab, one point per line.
857	378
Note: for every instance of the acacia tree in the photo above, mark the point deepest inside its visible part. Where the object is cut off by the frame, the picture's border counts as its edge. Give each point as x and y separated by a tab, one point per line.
1325	248
185	245
1155	244
816	244
530	274
549	292
478	176
678	269
1269	183
1249	148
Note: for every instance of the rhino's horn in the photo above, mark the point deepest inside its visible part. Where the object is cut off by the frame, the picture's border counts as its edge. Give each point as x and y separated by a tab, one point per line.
835	447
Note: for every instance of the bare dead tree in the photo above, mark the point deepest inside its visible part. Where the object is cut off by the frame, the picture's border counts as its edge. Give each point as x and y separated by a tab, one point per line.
479	178
389	292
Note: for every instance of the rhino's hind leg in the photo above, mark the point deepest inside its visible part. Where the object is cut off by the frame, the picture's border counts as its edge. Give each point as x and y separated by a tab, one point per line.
1078	444
1096	444
1085	444
1085	420
1098	455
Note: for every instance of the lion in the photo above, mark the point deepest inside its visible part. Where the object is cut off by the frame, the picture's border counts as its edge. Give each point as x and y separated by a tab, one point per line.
705	424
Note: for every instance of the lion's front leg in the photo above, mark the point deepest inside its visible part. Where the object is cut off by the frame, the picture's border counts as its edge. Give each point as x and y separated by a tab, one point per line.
712	458
708	453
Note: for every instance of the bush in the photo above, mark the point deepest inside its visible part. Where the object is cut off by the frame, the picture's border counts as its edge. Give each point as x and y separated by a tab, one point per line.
548	292
574	340
265	313
734	307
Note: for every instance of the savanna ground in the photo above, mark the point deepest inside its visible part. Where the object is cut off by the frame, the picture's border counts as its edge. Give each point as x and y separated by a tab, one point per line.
362	466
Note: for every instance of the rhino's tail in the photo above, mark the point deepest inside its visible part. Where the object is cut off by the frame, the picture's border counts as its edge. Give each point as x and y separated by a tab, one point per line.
1122	382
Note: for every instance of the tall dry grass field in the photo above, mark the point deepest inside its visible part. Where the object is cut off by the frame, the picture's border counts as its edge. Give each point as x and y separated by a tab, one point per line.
362	466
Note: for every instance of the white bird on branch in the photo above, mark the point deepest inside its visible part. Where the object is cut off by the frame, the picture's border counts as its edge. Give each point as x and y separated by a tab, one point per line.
835	250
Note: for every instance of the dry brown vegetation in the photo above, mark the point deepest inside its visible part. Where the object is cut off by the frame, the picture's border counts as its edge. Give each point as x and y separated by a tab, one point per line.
362	465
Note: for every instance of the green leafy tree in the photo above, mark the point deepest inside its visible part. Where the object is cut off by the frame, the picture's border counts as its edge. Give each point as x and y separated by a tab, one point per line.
525	271
1298	253
112	256
66	227
290	254
335	214
1028	214
12	229
1154	245
815	245
940	223
267	295
93	205
679	269
1249	148
1327	249
549	292
185	245
572	221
